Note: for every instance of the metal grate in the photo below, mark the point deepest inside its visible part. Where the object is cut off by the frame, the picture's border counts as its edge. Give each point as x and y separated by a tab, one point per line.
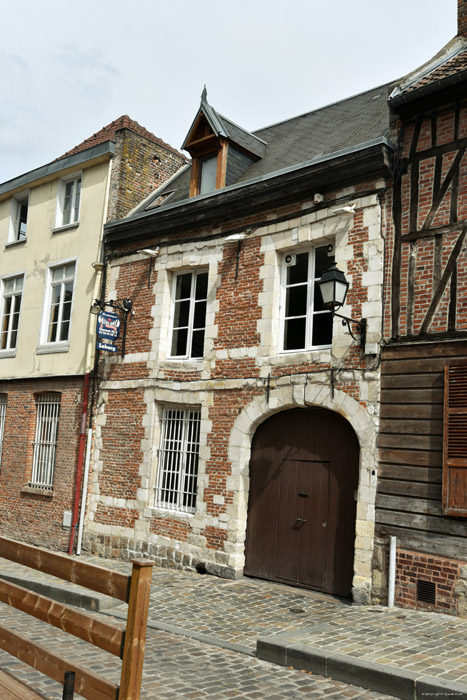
178	460
2	422
45	443
426	592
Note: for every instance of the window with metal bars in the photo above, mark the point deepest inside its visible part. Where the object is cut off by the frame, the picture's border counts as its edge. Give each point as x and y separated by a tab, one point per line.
177	477
45	441
2	423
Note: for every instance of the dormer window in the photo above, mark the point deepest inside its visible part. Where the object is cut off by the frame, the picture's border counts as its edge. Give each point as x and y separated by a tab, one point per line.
208	174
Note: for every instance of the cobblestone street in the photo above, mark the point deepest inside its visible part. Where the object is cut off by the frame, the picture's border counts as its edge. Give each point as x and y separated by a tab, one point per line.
176	667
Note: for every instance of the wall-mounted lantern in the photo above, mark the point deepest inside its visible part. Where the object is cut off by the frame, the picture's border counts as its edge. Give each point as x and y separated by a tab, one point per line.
334	287
108	323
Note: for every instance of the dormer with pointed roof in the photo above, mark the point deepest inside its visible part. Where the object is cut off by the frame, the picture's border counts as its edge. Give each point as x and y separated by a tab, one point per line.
221	150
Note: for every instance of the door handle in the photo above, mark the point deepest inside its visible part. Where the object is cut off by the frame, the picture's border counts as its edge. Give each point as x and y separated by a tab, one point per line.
300	520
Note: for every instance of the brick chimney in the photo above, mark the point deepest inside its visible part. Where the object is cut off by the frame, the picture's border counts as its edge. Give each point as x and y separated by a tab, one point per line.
462	18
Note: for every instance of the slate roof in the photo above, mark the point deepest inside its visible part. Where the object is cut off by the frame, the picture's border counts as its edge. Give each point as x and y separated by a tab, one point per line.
338	126
107	133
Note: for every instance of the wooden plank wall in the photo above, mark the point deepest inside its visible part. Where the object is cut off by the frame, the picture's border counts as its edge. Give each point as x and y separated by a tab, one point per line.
408	502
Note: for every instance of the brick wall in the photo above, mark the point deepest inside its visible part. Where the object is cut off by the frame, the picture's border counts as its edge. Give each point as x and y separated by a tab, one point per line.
441	574
139	167
30	515
241	380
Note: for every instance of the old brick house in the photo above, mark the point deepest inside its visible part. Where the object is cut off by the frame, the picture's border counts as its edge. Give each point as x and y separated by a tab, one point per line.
422	487
238	432
51	224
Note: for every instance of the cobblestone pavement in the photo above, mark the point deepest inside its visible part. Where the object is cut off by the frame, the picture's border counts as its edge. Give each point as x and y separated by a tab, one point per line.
235	613
176	667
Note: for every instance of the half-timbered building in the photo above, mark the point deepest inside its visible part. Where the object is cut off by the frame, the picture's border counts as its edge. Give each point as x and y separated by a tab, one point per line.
422	487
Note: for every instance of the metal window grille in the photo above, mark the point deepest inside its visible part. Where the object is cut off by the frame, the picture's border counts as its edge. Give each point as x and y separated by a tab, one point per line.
2	423
178	460
45	442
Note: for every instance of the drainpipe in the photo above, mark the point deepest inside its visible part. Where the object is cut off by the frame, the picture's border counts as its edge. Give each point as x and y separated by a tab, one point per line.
85	490
392	571
79	469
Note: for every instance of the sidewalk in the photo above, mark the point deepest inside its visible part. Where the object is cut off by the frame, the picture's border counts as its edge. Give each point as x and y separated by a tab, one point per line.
403	653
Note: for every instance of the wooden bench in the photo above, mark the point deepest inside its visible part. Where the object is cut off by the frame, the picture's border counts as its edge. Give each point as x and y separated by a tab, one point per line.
127	644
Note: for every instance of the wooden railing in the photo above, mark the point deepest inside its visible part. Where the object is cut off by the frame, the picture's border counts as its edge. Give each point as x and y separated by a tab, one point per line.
128	644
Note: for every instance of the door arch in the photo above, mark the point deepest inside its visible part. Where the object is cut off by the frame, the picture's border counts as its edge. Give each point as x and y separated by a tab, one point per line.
302	503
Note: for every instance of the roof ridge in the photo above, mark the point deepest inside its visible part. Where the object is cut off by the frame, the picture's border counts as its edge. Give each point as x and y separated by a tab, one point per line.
320	109
107	133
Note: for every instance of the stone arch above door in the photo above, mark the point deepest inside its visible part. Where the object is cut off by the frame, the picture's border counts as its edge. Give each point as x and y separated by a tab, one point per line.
365	427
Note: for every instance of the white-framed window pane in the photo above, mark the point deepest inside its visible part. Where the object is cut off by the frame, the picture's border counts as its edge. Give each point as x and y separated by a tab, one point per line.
2	423
189	314
306	323
45	441
61	298
177	479
11	308
19	218
22	222
71	197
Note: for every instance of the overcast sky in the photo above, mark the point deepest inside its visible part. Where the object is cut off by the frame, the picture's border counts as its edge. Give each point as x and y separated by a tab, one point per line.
67	70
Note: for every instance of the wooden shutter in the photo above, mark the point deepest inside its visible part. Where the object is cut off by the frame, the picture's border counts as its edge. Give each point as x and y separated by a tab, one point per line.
455	439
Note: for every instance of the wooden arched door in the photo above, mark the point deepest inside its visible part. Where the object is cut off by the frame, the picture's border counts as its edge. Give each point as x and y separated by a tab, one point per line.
302	503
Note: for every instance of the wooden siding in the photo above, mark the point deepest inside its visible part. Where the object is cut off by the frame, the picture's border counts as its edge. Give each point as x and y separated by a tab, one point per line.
409	498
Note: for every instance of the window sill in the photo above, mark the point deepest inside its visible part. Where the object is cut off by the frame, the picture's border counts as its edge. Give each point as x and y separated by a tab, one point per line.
37	491
66	227
12	244
7	353
51	348
158	511
188	362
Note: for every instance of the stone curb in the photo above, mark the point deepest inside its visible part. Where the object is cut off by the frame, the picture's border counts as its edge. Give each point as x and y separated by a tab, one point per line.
400	683
66	594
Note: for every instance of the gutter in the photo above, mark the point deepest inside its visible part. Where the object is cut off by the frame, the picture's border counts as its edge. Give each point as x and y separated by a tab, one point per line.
251	196
441	84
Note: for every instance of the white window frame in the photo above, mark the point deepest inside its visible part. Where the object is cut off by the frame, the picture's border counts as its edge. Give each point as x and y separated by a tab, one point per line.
70	186
190	327
178	459
15	235
310	301
45	440
11	332
3	403
46	345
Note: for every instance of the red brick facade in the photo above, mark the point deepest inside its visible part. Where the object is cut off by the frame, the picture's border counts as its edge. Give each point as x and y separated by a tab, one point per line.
32	515
443	575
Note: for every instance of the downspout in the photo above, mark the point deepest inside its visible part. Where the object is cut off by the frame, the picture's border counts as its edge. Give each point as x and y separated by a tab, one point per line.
85	489
79	468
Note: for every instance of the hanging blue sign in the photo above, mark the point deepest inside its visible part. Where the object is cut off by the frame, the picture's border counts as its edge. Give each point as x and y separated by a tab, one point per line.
108	347
108	325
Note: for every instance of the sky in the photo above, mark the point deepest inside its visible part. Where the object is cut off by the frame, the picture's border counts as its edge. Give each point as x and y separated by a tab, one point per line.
67	70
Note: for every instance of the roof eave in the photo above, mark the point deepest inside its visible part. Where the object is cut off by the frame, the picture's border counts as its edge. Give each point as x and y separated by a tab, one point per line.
426	90
51	171
372	159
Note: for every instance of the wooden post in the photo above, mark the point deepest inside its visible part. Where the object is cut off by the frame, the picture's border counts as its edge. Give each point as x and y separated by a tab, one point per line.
135	635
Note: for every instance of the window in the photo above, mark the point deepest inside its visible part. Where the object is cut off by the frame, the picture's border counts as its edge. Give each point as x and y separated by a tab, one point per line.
45	441
455	439
207	174
69	201
306	323
11	306
178	459
60	299
2	422
189	314
19	218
